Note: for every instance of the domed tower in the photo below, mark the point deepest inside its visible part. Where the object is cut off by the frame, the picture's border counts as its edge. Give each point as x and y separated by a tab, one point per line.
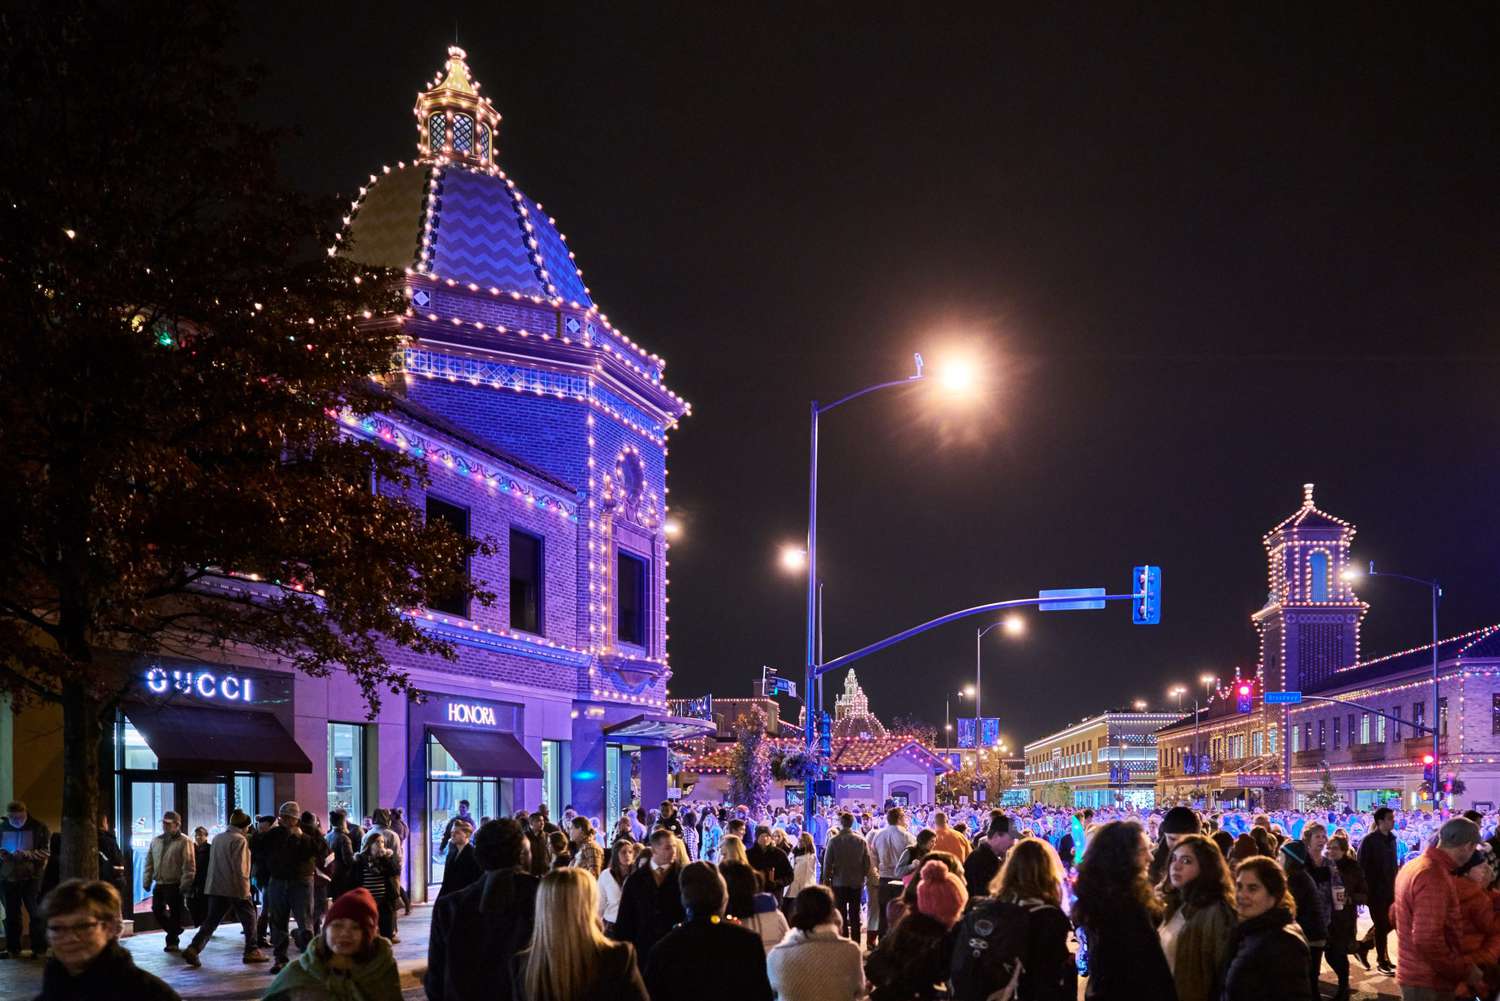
505	345
1309	627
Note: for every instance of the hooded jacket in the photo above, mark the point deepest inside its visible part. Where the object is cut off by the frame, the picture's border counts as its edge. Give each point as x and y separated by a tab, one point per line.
1312	916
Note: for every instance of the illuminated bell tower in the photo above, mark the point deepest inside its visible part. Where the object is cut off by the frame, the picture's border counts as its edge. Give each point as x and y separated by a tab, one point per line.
1309	627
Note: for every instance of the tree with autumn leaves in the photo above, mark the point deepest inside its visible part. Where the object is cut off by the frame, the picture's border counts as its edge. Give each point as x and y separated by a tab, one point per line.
174	344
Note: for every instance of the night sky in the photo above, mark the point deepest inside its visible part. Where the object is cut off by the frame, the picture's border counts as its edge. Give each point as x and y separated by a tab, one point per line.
1205	257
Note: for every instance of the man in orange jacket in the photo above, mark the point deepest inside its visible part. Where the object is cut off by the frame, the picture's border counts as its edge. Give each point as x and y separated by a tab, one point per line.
1427	918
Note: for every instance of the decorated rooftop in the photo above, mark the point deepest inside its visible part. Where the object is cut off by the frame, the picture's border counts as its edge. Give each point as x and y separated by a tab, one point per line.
852	754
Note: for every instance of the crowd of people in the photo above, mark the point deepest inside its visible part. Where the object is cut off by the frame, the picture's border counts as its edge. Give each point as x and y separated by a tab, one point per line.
893	904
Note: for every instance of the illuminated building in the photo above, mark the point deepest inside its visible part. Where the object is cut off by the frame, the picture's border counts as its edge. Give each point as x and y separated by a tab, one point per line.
1102	760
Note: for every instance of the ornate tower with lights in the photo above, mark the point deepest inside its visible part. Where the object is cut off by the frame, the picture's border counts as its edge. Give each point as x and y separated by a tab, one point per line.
1309	627
506	349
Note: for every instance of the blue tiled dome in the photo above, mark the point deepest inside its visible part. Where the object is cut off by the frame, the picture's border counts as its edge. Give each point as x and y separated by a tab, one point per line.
471	225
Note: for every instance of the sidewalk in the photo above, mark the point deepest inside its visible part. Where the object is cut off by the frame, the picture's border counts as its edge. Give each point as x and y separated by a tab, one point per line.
222	977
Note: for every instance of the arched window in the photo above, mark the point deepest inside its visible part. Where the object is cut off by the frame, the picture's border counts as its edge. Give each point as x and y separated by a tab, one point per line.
1317	569
437	132
484	143
463	133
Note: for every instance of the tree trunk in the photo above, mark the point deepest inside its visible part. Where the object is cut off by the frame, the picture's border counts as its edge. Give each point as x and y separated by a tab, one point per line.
80	811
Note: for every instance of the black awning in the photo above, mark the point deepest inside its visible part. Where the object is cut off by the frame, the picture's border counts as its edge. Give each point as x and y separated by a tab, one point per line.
495	755
189	738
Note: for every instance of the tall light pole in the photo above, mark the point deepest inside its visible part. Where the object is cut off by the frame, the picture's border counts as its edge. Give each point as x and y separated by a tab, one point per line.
956	378
1352	575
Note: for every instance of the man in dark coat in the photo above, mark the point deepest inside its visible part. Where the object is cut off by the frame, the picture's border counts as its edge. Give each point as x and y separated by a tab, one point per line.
984	862
476	930
706	949
651	900
461	869
770	862
1377	860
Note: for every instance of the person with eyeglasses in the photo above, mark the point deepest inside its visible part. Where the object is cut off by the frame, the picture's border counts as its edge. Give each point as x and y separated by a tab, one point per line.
87	960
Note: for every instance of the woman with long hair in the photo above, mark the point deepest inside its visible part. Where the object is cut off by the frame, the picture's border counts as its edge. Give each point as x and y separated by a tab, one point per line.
1199	916
1033	877
804	865
732	849
1268	956
612	881
1117	911
569	958
756	910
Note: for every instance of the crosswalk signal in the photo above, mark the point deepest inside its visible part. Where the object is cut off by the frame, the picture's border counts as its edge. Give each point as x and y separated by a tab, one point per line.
1145	585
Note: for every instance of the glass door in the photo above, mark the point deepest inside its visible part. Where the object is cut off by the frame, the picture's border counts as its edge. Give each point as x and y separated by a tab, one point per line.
141	808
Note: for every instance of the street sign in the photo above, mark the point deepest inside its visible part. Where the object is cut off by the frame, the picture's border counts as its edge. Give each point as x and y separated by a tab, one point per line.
1256	781
1284	699
1090	597
1145	585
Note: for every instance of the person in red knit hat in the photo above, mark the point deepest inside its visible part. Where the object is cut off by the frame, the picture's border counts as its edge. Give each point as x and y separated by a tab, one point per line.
348	961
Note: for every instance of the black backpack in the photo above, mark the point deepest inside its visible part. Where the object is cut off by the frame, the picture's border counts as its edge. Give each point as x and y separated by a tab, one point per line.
988	947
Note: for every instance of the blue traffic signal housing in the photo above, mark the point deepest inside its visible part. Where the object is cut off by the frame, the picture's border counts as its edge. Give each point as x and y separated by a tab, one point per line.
1145	585
1244	700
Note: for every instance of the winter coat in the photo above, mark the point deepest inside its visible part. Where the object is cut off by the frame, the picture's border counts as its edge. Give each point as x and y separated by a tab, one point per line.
1341	926
1125	959
1312	914
804	873
112	976
1049	970
1428	920
618	977
1377	861
200	867
587	856
980	868
1268	958
648	911
1479	935
461	870
341	862
29	858
774	867
229	866
1202	950
170	861
912	958
817	965
472	929
374	979
846	860
708	957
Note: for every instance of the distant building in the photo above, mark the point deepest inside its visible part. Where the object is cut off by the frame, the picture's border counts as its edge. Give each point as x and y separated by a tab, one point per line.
1103	760
1309	632
851	713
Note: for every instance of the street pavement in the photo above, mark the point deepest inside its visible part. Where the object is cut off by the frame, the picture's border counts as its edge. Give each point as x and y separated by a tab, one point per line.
224	978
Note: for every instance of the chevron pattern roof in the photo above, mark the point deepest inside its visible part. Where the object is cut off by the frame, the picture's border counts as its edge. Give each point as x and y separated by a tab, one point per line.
478	231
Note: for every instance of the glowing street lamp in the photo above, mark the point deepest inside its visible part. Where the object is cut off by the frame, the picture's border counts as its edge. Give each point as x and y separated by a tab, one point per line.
793	559
672	528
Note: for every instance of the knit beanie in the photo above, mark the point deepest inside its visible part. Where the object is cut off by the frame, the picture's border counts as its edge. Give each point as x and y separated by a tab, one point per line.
1180	820
355	905
940	894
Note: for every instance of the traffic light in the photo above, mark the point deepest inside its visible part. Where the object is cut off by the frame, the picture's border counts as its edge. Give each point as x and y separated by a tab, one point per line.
1427	776
1145	584
1242	700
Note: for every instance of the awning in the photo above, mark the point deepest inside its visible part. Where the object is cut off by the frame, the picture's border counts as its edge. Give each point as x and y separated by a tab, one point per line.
187	738
663	727
492	755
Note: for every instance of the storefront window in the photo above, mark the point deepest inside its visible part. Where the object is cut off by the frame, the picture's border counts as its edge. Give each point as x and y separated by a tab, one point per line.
346	769
557	789
446	787
135	752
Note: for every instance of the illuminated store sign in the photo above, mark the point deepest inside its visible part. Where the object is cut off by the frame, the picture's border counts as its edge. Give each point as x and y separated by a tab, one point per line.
204	684
475	715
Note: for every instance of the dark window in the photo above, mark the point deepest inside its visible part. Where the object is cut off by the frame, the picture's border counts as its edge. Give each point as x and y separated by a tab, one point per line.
1418	718
525	582
1396	725
630	599
1352	739
1443	716
1337	728
1307	736
1495	713
1322	733
457	519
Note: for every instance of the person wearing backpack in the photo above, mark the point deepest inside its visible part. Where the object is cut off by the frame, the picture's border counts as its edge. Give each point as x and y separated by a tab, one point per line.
1117	912
1013	944
1200	917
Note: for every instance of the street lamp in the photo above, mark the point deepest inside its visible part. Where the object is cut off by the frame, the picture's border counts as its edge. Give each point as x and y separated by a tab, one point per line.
1350	575
967	693
1140	705
956	377
1179	691
672	528
793	559
1013	625
1208	681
